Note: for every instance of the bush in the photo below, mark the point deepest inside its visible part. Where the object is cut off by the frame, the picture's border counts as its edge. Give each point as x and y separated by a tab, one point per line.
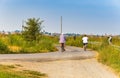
72	42
3	48
38	47
16	40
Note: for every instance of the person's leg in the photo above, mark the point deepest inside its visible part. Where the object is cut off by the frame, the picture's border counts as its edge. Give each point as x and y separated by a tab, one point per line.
62	47
84	46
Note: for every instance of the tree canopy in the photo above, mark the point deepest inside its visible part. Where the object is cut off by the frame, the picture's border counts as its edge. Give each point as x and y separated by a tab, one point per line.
32	29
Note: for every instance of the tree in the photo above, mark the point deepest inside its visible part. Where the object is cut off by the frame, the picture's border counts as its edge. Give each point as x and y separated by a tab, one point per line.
32	29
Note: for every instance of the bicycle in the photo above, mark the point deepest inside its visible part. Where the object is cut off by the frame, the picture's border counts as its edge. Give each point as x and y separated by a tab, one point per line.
85	46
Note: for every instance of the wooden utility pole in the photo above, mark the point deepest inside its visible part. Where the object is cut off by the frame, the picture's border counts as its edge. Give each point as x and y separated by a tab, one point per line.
61	24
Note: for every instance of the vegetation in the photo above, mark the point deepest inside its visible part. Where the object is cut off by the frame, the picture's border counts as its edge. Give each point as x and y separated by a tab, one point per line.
31	40
7	71
3	47
15	43
32	30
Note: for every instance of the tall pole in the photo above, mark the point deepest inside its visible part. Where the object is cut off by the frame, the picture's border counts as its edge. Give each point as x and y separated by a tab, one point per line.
22	24
61	24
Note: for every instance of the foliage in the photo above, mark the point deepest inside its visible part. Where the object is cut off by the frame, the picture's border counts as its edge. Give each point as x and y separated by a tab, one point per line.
7	71
15	43
32	30
44	44
110	56
116	40
15	39
3	48
72	42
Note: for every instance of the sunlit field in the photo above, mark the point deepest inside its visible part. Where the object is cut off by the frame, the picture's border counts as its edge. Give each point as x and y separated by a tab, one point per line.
15	43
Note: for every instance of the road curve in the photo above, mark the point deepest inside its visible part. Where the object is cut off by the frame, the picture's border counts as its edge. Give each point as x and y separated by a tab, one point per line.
71	53
73	63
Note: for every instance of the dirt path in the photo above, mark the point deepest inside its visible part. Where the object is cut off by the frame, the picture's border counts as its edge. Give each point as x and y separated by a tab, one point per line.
86	66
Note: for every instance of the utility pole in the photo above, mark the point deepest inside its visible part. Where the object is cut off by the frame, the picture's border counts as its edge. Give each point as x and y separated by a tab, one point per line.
22	24
61	24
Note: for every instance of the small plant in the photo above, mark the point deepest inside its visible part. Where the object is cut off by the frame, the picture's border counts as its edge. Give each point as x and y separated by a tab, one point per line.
34	73
11	66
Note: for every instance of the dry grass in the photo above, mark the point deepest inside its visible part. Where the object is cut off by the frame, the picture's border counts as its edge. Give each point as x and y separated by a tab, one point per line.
14	48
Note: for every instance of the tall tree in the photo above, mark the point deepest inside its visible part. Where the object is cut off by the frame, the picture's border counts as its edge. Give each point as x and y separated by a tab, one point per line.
32	29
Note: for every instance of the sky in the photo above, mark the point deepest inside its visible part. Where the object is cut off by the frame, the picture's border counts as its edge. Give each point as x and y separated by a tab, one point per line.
78	16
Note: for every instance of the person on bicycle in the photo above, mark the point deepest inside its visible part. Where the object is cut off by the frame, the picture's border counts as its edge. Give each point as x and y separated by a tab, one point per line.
62	42
110	39
85	42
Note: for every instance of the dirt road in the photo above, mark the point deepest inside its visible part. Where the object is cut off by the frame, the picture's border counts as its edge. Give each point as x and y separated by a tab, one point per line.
74	63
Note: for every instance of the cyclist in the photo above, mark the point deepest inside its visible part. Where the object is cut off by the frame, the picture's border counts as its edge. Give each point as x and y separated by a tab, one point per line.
62	42
85	42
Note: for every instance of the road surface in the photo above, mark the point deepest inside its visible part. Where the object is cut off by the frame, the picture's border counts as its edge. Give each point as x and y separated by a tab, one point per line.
73	63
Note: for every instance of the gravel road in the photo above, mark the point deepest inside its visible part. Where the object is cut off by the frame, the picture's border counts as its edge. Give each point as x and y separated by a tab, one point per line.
73	63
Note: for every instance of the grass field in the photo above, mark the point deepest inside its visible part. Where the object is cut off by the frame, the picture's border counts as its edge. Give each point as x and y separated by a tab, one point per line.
15	43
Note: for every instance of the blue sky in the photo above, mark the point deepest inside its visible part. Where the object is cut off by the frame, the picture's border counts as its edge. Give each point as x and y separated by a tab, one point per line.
79	16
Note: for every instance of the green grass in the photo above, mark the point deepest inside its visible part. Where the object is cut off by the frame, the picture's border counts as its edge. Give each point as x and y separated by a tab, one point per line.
15	43
110	56
72	42
7	71
34	74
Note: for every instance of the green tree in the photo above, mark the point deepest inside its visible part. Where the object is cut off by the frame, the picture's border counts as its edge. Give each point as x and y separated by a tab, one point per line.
32	29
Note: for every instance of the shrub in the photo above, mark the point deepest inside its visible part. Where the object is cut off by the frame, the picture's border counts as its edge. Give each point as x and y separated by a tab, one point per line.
3	48
41	46
16	40
72	42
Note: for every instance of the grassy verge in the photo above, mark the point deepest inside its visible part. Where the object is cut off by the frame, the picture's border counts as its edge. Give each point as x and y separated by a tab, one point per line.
16	44
9	72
